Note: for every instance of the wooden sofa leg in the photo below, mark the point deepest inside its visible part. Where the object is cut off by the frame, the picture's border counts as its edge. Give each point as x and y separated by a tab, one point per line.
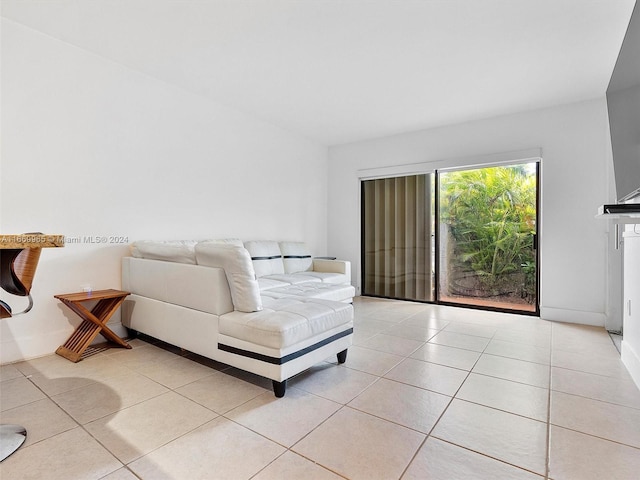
342	356
279	388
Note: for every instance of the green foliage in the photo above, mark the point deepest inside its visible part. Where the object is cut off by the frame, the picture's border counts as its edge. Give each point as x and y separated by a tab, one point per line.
491	214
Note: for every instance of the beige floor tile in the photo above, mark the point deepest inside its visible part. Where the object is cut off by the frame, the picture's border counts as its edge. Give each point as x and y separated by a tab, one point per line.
471	329
598	349
102	365
17	392
361	303
438	460
392	344
412	332
51	365
513	397
515	370
98	399
55	367
41	419
437	378
448	356
293	466
460	340
9	372
336	383
377	325
519	351
220	449
55	374
526	336
69	455
572	332
406	308
581	338
284	420
56	383
220	392
574	455
608	365
601	419
371	361
140	429
175	372
454	314
511	438
409	406
467	315
392	314
138	357
426	320
121	474
621	391
360	446
362	334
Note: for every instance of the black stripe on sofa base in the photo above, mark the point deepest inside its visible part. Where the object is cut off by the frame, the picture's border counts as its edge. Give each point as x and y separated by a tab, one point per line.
286	358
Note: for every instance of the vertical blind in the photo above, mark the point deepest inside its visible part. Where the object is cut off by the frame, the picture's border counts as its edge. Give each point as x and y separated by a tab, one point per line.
397	260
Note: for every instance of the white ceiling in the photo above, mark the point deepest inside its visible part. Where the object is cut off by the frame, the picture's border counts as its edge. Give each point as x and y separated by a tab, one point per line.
339	71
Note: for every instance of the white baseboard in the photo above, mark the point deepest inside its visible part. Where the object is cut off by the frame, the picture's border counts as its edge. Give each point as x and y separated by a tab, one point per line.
573	316
631	360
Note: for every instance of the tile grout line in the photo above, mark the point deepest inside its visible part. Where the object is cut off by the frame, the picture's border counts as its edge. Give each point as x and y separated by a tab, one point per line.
548	442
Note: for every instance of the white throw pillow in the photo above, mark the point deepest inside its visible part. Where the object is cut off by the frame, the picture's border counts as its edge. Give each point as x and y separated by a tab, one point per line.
237	265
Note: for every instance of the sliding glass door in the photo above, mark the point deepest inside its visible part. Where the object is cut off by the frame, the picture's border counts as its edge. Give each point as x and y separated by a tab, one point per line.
487	224
465	237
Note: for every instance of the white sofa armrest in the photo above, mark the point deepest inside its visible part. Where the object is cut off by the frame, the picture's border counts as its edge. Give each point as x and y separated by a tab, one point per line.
332	266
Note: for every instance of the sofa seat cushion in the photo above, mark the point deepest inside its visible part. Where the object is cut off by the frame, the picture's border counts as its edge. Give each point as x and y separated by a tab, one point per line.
309	290
329	277
292	322
266	283
293	278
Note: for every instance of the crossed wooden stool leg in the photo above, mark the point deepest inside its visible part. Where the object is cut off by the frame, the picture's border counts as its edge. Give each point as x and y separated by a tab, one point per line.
94	322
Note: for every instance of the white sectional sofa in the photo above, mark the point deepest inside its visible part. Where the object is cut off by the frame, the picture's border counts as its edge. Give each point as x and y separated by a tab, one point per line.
262	306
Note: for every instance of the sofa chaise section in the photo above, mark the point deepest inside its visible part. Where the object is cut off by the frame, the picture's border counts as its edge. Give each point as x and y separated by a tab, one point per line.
215	306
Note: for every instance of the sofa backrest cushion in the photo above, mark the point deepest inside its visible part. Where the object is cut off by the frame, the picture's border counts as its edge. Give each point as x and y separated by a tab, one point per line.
266	257
237	265
232	241
296	257
180	251
192	286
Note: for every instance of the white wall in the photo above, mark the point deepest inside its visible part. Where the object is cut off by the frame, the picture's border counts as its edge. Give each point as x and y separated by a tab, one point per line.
575	181
91	148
